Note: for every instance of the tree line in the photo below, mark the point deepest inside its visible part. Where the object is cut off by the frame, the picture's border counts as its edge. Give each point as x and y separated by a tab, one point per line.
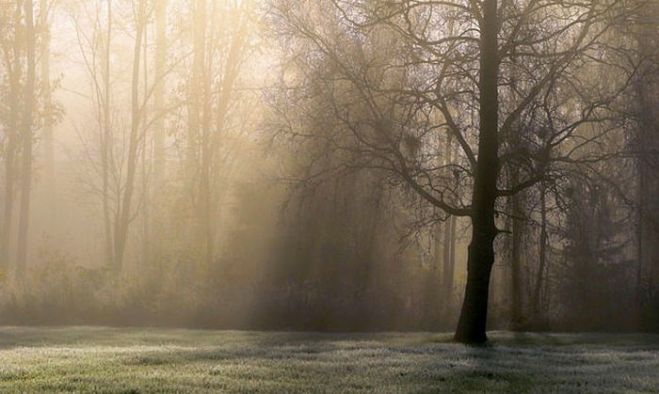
338	164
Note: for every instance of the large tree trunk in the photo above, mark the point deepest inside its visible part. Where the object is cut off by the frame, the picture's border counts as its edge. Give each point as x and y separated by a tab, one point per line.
473	317
648	174
26	157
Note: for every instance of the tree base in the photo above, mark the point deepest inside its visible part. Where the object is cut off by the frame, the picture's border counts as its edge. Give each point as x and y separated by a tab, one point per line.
473	339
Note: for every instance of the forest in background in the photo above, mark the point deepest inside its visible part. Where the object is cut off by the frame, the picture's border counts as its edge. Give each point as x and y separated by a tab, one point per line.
325	165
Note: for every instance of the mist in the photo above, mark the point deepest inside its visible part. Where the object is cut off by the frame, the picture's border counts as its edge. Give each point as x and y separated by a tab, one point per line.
330	165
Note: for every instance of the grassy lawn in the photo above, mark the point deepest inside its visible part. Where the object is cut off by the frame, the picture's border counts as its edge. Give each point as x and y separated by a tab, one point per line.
94	359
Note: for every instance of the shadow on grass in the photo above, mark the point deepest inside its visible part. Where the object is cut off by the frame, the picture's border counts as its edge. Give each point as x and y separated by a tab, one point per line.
82	358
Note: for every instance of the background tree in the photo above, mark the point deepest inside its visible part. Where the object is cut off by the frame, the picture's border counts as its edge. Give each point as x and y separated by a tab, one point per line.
12	71
238	162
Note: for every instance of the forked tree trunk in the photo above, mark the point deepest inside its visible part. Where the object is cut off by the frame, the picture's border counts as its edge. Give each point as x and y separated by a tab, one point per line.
124	217
473	317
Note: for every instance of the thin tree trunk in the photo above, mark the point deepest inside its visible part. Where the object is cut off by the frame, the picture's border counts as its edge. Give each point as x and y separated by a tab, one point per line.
205	209
473	317
448	252
11	148
516	257
196	149
194	93
146	212
211	137
543	251
518	226
448	269
640	233
9	194
26	167
106	141
433	282
159	170
159	95
451	258
49	148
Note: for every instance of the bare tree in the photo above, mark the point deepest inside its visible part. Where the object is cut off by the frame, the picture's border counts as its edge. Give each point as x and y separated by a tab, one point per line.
116	161
125	213
453	73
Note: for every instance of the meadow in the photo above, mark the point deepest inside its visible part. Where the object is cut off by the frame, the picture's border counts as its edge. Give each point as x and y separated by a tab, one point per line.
115	360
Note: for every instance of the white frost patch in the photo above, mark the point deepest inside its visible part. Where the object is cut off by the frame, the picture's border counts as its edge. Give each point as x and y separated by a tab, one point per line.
87	359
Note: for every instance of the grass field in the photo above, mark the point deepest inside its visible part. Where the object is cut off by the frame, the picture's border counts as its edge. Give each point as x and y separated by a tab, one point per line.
90	359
